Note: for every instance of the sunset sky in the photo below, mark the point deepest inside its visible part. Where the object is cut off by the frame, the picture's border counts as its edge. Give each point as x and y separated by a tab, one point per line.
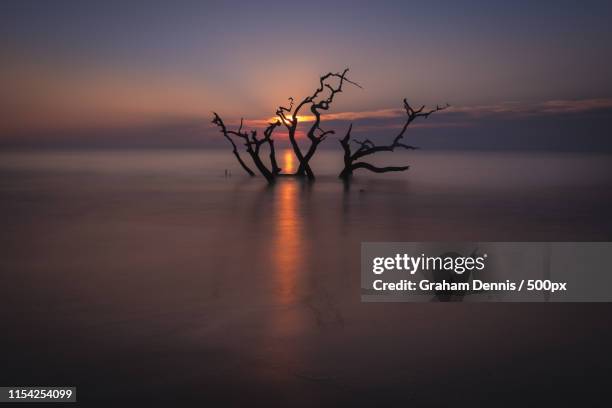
517	74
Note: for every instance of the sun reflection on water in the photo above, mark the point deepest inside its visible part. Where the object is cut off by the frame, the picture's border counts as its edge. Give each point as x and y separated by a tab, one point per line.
287	255
287	317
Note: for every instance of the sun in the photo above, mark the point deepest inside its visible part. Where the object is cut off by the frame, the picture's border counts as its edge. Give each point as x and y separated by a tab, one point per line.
289	119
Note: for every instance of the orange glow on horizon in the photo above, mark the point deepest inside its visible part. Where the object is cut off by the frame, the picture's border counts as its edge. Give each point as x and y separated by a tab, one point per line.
273	119
302	118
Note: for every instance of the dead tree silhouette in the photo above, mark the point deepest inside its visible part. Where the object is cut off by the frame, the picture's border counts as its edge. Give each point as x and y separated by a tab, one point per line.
367	147
253	145
318	102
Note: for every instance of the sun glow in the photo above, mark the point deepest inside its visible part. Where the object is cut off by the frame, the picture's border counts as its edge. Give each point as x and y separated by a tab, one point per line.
300	118
262	123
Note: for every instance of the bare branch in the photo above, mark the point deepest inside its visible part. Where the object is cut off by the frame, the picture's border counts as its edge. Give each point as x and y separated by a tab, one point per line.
367	147
288	116
219	122
252	145
315	133
268	138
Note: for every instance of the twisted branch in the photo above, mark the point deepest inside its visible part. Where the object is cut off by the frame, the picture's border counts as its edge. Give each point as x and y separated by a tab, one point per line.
252	144
219	122
367	147
289	117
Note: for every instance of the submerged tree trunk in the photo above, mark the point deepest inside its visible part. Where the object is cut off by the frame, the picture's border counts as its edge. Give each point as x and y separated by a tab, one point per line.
275	169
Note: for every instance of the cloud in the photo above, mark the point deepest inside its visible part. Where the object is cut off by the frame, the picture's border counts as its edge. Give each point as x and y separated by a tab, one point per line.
502	124
516	119
522	109
455	116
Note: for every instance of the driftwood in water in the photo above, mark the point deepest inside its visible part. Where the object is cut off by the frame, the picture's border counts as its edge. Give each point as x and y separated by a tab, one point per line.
367	147
252	144
318	102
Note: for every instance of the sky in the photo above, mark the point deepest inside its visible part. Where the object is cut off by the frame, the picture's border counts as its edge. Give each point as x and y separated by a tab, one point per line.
519	74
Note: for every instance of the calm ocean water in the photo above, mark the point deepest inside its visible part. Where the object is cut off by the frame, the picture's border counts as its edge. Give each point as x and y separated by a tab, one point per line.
154	275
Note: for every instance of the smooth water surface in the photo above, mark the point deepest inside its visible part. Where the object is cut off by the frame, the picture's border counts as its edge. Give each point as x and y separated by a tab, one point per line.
155	276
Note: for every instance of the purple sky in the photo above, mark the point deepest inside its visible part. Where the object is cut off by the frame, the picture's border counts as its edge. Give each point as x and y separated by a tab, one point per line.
518	74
